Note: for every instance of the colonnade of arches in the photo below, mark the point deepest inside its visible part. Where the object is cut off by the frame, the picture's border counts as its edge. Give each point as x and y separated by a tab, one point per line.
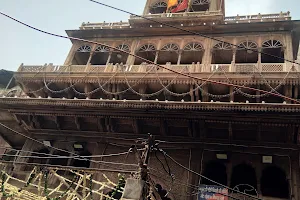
273	180
222	53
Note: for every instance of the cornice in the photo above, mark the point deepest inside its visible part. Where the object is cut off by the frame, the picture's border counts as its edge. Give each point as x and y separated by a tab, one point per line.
10	103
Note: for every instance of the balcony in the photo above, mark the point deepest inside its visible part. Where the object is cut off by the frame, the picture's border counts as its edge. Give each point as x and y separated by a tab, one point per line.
143	68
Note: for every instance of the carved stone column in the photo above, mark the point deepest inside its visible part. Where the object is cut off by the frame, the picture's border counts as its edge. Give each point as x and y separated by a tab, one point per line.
109	57
156	57
179	57
232	69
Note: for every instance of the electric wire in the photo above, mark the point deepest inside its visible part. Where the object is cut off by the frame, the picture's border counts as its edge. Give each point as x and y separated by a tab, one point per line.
64	168
171	70
215	182
55	148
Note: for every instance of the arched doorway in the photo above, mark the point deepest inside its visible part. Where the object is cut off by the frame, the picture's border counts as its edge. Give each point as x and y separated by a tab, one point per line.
100	55
120	56
274	183
247	52
222	53
147	51
244	177
275	48
82	55
192	52
215	171
169	53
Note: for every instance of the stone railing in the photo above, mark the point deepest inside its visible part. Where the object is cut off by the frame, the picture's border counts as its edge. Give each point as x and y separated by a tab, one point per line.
266	17
104	25
178	15
143	68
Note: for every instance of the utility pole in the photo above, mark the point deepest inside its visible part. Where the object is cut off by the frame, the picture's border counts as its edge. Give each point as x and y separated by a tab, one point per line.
138	188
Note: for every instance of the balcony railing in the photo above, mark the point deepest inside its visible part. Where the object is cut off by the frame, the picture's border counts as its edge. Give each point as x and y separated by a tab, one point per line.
255	18
232	19
143	68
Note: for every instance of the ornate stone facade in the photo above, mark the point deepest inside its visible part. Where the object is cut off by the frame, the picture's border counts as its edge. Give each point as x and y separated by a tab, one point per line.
106	95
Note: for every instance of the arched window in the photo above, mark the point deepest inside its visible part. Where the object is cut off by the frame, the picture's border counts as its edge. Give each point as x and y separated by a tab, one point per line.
159	7
82	55
147	51
200	5
168	53
274	183
192	52
275	48
100	55
244	176
222	53
120	56
216	171
247	52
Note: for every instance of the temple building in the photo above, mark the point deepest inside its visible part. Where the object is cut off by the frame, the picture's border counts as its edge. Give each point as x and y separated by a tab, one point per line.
103	98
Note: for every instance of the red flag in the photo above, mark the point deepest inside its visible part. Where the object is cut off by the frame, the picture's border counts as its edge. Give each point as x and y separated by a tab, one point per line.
182	6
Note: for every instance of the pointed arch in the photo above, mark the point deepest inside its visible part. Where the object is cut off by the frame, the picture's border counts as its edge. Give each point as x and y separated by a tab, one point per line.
275	48
146	51
192	53
247	52
82	55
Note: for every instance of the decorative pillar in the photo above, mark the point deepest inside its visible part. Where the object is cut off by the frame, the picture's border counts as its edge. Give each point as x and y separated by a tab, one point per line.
156	57
88	88
232	68
259	67
213	5
109	57
192	93
296	92
179	57
204	94
231	90
90	58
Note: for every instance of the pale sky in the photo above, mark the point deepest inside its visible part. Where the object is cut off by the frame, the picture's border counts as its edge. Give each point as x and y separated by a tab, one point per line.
23	45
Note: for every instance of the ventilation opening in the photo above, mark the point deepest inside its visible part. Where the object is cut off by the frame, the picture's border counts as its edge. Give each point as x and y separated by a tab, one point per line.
274	183
216	171
244	179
